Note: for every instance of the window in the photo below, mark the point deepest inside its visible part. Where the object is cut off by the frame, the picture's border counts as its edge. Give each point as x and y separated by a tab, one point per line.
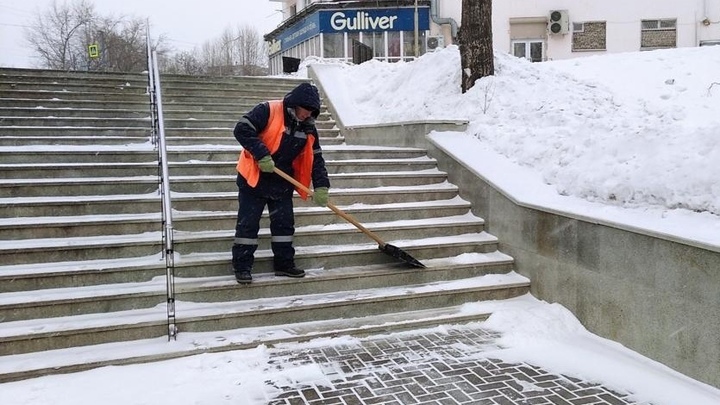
648	25
531	50
393	46
661	33
351	36
377	41
409	44
589	36
334	45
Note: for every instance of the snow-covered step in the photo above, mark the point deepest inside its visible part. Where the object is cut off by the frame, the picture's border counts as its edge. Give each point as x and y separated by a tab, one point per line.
379	164
41	103
227	131
14	207
77	170
67	301
27	277
341	255
226	201
96	113
69	273
184	153
228	89
32	136
190	221
200	121
78	186
74	95
89	329
64	135
100	168
48	250
312	235
178	154
78	226
30	365
226	138
86	153
222	201
95	122
210	183
43	79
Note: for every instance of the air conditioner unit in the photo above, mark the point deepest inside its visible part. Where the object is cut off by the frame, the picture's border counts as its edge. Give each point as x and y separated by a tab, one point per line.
435	42
559	22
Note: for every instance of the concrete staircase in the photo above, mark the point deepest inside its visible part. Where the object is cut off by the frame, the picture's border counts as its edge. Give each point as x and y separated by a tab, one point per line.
82	278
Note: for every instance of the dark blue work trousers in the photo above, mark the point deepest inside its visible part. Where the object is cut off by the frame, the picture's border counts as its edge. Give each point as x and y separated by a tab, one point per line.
282	228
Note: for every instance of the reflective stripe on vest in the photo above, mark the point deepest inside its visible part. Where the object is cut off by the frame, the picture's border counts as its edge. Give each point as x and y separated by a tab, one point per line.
272	134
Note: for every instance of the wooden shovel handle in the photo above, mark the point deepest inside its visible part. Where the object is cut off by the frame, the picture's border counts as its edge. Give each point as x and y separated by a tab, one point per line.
335	209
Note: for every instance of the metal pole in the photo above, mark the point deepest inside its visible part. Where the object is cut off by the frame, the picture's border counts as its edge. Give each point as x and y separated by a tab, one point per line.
417	31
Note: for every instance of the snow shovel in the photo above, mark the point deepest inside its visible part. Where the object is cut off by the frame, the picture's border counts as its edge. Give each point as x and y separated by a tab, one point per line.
393	251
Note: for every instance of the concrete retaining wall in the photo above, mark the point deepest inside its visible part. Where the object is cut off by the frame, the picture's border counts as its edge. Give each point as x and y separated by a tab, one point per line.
657	297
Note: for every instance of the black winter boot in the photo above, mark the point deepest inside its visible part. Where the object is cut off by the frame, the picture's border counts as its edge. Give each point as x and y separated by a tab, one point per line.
290	272
243	277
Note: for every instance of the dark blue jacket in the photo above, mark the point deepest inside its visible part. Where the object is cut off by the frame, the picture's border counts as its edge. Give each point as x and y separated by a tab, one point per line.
293	141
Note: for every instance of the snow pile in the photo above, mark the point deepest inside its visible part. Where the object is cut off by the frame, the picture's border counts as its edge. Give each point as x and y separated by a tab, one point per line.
633	130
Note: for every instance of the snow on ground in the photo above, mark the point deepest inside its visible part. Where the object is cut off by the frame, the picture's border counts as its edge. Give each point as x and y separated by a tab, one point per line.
535	332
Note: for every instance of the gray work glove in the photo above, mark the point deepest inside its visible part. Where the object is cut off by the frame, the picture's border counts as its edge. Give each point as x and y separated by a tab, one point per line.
267	165
320	196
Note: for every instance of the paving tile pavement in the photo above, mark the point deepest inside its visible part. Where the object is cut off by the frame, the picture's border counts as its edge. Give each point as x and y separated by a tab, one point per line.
431	367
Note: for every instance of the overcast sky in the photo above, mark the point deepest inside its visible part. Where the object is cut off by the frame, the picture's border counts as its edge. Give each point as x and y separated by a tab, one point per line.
186	23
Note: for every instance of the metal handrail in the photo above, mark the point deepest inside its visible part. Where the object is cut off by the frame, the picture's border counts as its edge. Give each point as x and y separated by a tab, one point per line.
158	139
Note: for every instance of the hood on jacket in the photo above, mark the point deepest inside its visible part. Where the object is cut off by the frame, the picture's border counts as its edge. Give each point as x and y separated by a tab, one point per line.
305	95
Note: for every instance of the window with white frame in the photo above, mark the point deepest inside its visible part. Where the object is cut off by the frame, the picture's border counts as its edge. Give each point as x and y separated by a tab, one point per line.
529	49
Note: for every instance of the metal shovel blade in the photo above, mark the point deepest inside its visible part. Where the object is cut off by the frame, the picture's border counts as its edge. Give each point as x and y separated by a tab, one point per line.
398	253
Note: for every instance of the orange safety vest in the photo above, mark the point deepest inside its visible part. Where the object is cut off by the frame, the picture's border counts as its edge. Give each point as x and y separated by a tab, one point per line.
248	167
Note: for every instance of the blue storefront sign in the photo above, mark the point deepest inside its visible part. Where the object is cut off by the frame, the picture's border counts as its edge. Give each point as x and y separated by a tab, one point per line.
373	20
307	28
357	20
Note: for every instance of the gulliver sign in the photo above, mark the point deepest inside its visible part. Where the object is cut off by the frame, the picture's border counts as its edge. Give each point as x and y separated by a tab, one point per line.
381	19
361	21
336	21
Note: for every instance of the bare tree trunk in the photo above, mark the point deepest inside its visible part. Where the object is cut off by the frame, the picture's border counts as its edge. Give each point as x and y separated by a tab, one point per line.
476	45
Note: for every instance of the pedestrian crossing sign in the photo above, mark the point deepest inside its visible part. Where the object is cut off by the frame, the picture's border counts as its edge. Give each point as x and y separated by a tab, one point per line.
93	51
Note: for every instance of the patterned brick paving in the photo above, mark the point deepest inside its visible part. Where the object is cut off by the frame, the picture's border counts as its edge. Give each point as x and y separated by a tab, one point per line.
444	368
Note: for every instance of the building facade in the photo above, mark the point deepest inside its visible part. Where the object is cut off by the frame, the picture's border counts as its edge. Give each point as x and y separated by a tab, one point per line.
539	30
